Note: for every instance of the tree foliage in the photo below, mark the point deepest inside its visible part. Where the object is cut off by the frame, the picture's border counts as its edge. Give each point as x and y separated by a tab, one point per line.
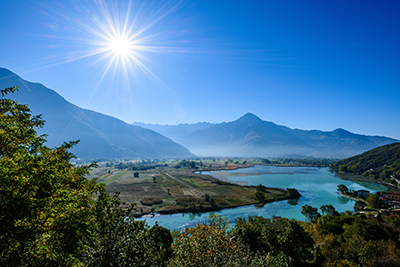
49	213
359	205
374	201
310	212
328	209
342	189
122	241
353	241
263	236
208	245
294	193
46	204
379	163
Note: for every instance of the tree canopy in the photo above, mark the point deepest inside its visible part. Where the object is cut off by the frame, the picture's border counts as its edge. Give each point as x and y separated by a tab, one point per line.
380	163
50	214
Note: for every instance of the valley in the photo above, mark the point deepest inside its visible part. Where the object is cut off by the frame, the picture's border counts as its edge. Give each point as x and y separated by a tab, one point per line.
199	133
169	190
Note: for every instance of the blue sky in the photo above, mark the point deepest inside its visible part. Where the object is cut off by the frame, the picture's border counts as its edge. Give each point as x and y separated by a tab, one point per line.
302	64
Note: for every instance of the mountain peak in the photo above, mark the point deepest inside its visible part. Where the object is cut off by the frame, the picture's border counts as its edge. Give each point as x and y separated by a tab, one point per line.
342	131
249	117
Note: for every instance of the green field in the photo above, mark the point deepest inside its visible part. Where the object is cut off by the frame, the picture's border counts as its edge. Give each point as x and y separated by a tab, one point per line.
180	190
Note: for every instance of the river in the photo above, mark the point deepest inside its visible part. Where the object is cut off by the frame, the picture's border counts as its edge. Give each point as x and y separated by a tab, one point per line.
317	186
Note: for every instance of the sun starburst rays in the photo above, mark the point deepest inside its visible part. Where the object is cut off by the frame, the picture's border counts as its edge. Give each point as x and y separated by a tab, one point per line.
122	40
116	41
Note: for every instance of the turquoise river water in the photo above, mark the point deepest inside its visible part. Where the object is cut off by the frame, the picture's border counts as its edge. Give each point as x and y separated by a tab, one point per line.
317	186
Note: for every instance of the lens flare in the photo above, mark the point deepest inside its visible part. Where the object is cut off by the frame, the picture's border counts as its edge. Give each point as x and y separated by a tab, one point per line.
119	34
120	46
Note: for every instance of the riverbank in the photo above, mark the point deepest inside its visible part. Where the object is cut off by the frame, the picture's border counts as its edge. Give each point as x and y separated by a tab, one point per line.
349	197
183	191
318	187
364	179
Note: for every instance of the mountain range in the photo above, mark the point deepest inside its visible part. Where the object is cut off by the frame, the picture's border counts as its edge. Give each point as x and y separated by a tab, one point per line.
175	132
100	135
251	136
105	136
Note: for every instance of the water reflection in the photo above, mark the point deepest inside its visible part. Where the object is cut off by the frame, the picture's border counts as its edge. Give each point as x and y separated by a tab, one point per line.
343	200
293	202
317	187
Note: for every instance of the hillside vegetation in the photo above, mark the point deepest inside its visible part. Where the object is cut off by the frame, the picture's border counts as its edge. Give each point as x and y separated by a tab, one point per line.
381	163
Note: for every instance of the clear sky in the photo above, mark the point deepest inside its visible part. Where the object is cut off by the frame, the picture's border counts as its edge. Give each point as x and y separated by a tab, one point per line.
302	64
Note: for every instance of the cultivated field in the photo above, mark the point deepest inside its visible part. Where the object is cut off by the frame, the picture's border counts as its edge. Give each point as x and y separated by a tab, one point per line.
171	190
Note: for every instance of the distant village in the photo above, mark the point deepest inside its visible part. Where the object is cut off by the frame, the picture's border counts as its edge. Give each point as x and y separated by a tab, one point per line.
366	202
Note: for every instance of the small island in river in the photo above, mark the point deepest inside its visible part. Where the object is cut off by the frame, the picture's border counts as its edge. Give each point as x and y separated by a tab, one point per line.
172	187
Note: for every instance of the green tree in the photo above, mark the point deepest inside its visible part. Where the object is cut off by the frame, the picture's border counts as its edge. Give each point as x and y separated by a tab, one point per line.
192	164
329	209
261	188
266	161
342	189
46	203
208	245
263	236
119	240
294	193
343	168
374	201
310	212
359	205
259	196
212	202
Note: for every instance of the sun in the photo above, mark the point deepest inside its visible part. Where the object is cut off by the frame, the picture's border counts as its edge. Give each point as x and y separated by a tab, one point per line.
121	34
120	46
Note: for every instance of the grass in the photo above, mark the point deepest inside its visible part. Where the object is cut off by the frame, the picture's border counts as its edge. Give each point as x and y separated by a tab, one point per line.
192	182
178	190
113	178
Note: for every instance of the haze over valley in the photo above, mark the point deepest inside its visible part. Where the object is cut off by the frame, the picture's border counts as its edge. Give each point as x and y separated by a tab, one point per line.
250	136
103	136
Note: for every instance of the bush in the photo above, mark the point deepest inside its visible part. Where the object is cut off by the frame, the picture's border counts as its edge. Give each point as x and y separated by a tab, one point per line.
151	201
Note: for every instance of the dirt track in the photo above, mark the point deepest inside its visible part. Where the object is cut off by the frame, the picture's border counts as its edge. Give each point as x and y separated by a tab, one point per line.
187	189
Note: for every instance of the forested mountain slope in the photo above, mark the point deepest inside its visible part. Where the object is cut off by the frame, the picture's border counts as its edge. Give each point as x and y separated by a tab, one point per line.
382	162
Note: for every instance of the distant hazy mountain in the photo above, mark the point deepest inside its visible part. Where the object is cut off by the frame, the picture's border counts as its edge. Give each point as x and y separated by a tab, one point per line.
251	136
100	135
175	132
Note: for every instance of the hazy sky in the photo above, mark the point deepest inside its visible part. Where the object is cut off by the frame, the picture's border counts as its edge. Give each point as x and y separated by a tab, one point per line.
303	64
